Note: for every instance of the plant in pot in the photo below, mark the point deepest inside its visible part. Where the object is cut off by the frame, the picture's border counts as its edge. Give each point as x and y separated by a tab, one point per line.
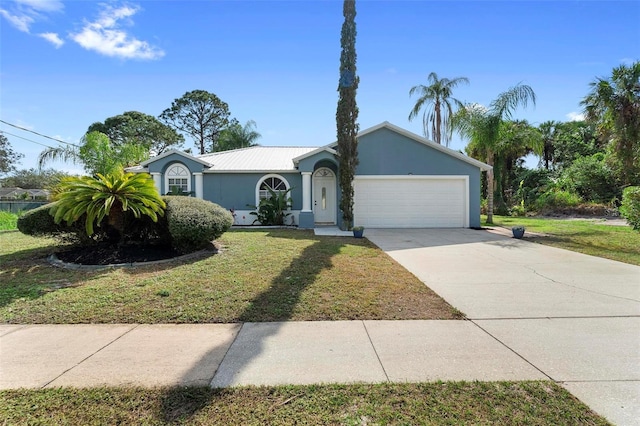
358	231
518	231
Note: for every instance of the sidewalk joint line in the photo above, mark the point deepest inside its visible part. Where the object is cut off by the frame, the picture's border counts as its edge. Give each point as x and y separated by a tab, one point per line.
90	355
226	353
516	353
375	351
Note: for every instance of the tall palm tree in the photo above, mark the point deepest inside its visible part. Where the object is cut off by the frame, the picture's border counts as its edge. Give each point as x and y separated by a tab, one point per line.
614	105
438	100
548	130
482	127
237	136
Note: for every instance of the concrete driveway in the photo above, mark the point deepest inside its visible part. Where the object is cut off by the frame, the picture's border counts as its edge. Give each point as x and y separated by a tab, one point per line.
574	317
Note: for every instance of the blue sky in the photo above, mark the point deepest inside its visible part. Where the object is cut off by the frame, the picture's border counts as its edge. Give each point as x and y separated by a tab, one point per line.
67	64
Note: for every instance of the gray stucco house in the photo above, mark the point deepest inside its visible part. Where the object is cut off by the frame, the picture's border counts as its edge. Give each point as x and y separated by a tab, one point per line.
403	181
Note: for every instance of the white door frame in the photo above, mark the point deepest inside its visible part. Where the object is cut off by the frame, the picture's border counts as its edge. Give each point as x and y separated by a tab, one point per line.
324	196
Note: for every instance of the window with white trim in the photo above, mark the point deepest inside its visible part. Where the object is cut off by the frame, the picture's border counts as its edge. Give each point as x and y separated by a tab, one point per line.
274	182
177	179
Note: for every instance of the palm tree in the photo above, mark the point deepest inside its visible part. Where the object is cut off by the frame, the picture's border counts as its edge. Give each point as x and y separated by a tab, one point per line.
548	130
237	136
97	154
482	126
438	100
614	105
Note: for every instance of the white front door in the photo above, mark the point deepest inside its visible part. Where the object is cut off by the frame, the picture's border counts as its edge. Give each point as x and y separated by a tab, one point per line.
324	196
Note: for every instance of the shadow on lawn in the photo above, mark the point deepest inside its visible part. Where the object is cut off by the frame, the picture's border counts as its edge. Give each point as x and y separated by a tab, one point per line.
28	274
277	303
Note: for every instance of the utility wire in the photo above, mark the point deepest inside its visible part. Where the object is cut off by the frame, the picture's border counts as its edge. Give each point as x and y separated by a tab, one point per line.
39	134
28	140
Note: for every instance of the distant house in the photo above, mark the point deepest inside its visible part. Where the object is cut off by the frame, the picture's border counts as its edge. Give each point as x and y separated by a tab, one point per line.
403	180
12	194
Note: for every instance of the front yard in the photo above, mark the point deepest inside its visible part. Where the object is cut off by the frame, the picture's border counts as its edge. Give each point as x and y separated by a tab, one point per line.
588	236
258	275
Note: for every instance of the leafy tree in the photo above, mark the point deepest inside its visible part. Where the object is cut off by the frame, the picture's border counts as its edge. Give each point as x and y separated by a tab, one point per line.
437	98
573	140
33	179
8	157
106	196
201	115
237	136
347	112
614	105
97	154
133	127
482	127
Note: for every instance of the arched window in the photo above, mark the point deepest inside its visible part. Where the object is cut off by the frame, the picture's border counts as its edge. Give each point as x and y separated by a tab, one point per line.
274	182
177	179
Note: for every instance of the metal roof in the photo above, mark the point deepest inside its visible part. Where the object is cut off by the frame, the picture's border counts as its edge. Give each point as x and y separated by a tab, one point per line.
256	158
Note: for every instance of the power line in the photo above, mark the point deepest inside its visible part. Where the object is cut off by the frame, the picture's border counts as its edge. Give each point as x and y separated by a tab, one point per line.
39	134
28	140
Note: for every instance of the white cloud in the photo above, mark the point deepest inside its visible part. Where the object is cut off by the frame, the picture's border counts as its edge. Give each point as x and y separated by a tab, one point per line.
575	116
106	36
52	38
628	61
21	21
42	5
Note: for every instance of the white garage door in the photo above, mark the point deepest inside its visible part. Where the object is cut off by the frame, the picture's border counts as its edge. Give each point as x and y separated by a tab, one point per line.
411	201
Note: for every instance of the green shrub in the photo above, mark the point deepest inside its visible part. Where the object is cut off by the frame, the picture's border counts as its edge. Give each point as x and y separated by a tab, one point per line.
194	223
591	178
273	210
557	198
630	208
7	220
40	223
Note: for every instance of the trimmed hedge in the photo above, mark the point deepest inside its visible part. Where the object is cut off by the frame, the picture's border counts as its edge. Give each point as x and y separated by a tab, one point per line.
39	222
194	223
630	208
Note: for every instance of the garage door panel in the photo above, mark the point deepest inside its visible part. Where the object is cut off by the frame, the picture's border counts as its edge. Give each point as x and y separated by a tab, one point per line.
396	202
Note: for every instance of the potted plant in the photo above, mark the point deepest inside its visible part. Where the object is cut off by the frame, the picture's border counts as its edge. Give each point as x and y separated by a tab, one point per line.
518	231
358	231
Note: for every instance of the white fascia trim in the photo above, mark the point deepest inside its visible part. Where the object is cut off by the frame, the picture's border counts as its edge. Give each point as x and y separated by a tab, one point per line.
251	171
175	151
296	160
414	177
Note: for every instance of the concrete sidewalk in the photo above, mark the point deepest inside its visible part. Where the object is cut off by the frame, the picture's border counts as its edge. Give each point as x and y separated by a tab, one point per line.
45	356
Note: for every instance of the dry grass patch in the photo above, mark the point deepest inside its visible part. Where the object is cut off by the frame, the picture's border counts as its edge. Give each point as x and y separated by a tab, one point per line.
259	275
454	403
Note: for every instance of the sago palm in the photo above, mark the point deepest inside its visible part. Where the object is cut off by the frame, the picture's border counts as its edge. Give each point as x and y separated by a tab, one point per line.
437	98
106	196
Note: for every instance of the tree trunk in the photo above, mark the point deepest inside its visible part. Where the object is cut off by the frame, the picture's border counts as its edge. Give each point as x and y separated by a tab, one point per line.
490	189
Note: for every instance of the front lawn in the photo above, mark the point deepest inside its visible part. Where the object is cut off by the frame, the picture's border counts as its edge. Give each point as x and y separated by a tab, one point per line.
590	236
259	275
478	403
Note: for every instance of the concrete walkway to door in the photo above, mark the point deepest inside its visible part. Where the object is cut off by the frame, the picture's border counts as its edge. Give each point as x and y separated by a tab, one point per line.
574	317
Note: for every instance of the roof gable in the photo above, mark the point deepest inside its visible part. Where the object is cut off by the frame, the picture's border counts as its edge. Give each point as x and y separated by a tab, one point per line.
386	125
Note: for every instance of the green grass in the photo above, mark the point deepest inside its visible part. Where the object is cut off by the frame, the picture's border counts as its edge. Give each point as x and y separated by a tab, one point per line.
8	220
453	403
591	237
258	275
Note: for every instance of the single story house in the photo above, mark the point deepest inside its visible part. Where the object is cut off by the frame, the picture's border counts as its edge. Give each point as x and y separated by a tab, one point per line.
402	181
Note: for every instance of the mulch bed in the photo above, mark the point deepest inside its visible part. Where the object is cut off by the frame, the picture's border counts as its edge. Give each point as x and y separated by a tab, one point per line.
109	254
